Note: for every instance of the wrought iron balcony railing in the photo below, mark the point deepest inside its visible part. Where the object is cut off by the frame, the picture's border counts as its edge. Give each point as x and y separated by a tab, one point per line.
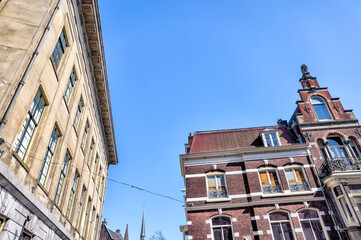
218	194
272	189
299	187
339	164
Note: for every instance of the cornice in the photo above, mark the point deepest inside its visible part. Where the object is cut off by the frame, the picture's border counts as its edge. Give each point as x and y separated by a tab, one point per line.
89	11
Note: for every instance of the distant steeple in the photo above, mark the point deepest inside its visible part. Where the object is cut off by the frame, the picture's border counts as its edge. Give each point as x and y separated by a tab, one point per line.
142	231
126	234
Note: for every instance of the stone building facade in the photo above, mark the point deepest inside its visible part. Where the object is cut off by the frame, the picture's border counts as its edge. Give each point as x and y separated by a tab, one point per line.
296	180
56	128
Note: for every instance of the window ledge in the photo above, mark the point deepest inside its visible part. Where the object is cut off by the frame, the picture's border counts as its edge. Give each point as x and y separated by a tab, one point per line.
219	199
20	161
287	194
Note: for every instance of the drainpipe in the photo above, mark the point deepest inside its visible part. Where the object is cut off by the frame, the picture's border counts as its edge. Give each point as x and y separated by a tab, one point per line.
27	70
27	219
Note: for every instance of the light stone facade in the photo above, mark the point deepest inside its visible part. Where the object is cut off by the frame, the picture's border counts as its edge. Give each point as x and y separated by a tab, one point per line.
63	197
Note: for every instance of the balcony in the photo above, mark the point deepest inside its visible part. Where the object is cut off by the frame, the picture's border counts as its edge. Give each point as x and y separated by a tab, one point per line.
299	187
339	164
217	194
271	189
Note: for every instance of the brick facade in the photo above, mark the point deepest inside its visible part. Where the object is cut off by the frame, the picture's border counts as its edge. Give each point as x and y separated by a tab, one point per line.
241	182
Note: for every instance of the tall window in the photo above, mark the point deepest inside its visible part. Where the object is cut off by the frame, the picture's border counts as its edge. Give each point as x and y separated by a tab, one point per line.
216	186
59	49
98	177
269	181
78	112
70	85
84	137
343	204
281	226
320	108
48	156
86	218
296	179
29	125
72	193
81	203
94	174
355	148
222	228
90	151
64	171
311	225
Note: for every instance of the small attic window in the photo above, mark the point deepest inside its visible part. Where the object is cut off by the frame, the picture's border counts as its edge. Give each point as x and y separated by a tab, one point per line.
270	138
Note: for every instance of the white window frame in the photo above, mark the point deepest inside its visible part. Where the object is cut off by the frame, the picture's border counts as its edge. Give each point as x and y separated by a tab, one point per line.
222	215
289	220
214	174
293	167
278	179
312	219
340	208
270	132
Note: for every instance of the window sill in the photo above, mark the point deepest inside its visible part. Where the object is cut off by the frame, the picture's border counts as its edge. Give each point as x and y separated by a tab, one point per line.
43	188
218	199
287	194
22	163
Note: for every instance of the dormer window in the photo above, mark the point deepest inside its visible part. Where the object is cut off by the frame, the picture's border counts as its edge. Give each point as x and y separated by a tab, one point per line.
320	108
270	138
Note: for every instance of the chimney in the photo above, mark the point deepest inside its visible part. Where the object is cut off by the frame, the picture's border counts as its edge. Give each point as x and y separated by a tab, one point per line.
117	231
105	221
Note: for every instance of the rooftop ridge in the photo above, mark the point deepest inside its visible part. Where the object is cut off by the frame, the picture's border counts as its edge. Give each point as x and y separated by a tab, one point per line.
235	129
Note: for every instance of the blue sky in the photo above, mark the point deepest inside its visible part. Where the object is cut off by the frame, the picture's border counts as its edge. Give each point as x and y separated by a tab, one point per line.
176	67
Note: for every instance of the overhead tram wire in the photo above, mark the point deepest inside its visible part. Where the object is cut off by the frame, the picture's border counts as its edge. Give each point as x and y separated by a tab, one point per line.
99	175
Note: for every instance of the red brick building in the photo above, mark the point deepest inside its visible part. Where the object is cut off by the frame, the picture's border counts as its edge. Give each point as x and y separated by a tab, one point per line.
295	180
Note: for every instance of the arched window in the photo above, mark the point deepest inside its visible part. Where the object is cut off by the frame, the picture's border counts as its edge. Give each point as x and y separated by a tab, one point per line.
311	225
320	108
281	225
222	228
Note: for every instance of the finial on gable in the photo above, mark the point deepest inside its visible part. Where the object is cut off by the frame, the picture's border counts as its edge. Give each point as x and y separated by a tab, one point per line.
305	72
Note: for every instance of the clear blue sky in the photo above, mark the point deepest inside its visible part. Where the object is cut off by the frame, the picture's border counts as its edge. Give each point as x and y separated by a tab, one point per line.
178	66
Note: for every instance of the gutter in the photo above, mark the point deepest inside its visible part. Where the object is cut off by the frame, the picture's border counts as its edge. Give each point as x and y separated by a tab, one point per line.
5	118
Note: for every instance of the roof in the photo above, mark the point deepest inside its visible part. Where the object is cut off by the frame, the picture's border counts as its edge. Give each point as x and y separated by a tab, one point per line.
89	10
114	235
234	139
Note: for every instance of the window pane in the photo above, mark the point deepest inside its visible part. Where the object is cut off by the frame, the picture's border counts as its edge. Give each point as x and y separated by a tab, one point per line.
264	178
273	178
227	233
318	231
222	220
290	176
358	201
277	231
321	111
277	216
287	230
308	214
307	231
217	233
274	138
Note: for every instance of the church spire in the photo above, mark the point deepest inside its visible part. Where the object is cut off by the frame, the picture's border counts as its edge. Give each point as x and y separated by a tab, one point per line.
126	234
142	233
